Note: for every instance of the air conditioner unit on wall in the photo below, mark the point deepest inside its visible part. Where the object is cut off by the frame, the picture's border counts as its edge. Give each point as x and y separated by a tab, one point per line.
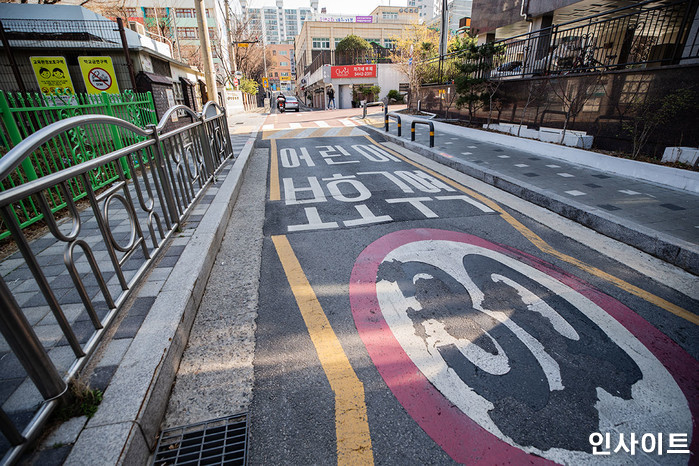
137	27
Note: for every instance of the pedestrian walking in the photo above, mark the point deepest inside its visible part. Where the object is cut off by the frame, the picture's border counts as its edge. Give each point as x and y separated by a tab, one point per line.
331	98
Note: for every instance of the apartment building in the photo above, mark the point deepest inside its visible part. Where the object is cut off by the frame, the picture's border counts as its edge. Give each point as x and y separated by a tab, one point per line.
175	23
316	58
281	68
276	24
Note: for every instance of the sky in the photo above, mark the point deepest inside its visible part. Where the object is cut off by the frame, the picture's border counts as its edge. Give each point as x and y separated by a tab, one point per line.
334	7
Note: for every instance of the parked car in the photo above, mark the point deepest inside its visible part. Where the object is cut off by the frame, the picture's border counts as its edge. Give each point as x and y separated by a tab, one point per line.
512	68
292	103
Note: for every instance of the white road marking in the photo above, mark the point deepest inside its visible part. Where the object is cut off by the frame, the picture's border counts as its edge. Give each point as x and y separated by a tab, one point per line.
348	123
295	125
575	193
644	412
629	192
565	175
267	127
323	124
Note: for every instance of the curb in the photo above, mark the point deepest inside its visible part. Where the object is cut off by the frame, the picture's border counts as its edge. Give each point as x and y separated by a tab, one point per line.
672	250
659	174
124	430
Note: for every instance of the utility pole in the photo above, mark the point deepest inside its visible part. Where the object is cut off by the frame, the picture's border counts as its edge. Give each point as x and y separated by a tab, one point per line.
205	43
231	43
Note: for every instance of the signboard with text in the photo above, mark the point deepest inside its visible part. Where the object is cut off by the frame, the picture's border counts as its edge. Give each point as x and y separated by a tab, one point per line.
52	74
99	75
353	71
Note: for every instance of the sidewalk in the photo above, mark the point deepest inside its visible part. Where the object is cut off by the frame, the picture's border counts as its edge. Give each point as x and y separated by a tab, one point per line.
135	363
651	207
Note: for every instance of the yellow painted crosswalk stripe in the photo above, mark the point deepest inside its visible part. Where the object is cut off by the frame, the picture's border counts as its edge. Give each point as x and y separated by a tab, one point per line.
274	191
351	423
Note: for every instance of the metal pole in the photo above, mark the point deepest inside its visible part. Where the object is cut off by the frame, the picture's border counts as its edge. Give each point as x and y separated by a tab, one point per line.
205	43
27	348
11	58
176	34
125	45
231	45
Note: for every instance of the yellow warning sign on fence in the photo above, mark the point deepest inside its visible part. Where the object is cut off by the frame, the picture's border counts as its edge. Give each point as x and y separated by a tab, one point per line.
99	75
52	74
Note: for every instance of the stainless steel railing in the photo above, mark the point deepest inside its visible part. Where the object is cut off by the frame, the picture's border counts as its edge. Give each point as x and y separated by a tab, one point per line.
159	180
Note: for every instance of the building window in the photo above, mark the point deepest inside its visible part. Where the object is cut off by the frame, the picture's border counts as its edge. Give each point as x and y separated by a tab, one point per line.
283	63
184	13
149	12
390	15
187	33
130	12
389	43
321	43
282	52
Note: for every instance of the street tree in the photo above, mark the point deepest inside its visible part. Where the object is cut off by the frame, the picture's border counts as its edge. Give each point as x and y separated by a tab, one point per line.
413	49
471	83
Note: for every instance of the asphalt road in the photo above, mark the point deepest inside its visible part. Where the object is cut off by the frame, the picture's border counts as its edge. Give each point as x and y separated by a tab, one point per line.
410	316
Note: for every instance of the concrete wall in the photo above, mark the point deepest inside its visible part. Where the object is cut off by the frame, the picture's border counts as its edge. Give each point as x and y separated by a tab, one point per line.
390	75
615	99
488	15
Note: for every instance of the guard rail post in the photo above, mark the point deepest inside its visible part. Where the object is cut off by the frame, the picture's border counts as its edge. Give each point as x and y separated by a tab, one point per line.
422	122
398	120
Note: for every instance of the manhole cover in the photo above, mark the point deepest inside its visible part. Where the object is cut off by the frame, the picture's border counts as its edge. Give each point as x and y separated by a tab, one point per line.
219	441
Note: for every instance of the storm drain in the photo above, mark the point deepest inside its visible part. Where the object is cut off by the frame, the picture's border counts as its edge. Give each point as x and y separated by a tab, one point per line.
220	441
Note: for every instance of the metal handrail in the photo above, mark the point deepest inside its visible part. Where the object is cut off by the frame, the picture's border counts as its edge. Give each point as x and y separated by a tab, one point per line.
599	35
13	159
167	172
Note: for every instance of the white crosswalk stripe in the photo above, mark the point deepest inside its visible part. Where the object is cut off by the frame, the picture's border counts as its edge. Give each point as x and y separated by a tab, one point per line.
348	123
267	127
294	125
323	124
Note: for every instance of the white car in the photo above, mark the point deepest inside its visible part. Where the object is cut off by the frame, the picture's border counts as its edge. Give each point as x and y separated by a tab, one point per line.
292	103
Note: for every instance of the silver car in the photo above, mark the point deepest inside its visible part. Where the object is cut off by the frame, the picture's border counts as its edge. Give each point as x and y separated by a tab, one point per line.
292	103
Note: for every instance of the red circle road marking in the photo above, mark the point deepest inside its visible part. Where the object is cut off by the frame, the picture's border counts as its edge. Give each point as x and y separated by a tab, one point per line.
460	436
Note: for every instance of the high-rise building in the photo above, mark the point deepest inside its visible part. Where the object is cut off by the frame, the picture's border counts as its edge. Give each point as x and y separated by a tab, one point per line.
276	24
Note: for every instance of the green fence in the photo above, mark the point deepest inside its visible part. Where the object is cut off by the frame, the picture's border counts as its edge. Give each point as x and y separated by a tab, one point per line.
23	114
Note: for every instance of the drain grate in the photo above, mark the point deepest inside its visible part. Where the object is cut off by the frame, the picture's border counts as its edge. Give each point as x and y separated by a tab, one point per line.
219	441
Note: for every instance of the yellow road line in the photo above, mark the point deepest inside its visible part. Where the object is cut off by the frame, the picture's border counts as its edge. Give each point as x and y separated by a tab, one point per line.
274	192
548	249
351	424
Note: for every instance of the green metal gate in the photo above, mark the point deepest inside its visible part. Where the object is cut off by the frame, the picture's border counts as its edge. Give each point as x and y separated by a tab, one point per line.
23	114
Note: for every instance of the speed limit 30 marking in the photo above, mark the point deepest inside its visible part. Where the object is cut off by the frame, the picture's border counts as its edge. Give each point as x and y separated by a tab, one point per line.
501	357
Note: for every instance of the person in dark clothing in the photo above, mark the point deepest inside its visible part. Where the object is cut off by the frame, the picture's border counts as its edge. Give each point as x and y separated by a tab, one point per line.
331	98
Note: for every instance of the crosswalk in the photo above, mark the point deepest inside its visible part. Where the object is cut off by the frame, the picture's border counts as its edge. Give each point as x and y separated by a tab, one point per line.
312	124
307	129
